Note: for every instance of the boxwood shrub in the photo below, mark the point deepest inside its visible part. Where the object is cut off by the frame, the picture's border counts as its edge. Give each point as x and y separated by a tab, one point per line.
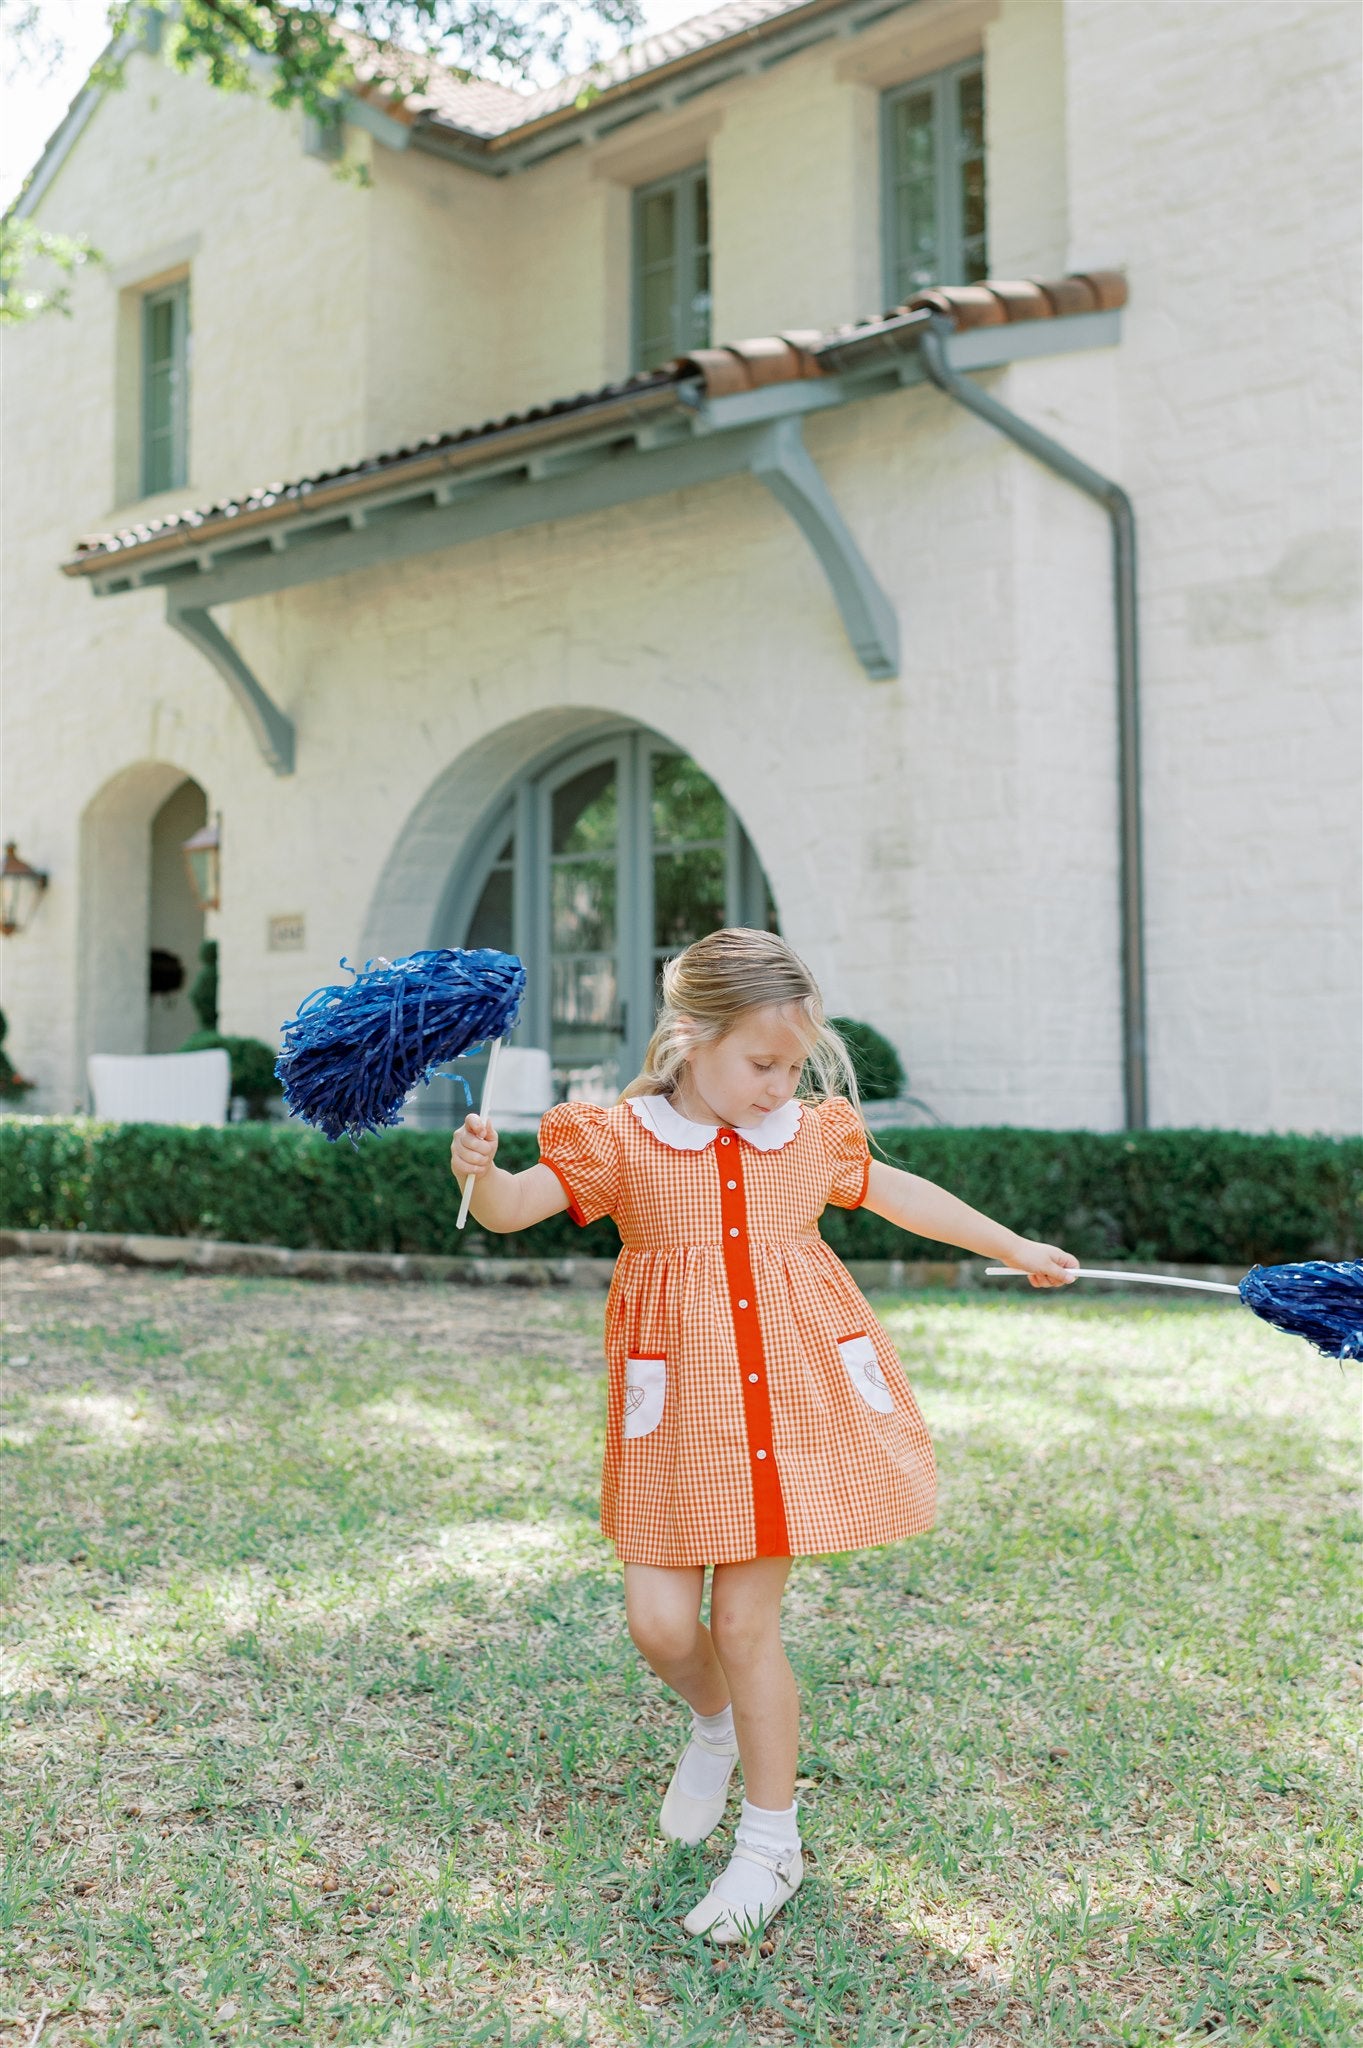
1194	1196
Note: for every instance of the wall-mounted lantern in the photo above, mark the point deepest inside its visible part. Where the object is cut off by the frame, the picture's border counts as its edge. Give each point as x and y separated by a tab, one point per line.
202	863
21	887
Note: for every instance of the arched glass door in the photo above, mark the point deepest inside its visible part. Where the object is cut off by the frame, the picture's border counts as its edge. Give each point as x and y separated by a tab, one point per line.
595	870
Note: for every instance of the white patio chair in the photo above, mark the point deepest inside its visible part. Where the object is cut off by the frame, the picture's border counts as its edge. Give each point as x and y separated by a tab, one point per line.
524	1088
161	1087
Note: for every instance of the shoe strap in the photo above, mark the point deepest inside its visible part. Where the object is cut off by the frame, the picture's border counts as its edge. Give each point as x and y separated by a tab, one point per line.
715	1748
782	1864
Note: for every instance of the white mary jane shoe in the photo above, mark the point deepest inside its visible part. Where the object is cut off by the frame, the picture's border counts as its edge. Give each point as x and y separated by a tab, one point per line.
685	1818
724	1920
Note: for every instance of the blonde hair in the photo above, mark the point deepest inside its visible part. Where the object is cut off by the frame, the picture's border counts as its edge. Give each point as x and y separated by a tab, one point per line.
706	990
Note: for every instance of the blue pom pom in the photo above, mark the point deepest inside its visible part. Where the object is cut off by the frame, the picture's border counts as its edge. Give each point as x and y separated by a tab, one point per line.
1314	1299
353	1054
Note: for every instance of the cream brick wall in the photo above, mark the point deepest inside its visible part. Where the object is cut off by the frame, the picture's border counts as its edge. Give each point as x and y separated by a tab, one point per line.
1025	130
1222	170
432	310
806	142
943	847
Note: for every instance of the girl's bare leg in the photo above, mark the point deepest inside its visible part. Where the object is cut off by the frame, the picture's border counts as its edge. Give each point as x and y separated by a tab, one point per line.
662	1606
745	1629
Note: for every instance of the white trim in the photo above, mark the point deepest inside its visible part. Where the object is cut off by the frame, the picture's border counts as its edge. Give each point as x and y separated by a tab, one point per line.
145	273
682	1134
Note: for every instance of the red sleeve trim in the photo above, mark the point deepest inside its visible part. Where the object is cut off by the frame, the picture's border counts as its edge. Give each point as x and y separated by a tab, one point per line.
573	1209
865	1184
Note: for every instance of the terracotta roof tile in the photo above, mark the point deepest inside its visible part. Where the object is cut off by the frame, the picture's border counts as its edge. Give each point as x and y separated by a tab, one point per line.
746	365
1109	286
1070	294
739	366
1020	298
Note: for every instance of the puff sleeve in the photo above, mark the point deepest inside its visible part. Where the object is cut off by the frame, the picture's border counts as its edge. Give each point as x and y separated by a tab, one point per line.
578	1144
849	1155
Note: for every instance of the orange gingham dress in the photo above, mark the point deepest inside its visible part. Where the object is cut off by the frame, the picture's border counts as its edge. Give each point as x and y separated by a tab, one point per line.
755	1407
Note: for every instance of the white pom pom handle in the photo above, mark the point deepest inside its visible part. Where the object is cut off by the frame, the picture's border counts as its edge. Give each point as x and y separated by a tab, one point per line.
1149	1279
483	1108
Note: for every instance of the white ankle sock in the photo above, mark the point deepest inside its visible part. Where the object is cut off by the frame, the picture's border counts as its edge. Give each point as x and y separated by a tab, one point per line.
702	1774
748	1885
769	1828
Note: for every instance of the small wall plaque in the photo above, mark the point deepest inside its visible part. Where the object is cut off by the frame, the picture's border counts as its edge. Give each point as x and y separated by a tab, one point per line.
287	933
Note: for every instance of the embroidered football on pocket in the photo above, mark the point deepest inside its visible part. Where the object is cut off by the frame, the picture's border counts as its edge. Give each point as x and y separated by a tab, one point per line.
645	1393
863	1370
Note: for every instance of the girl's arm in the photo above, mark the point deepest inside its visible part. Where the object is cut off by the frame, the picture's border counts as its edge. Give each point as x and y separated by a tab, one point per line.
502	1201
929	1211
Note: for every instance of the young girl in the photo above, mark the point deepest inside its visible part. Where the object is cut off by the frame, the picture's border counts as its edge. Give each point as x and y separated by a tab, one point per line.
756	1411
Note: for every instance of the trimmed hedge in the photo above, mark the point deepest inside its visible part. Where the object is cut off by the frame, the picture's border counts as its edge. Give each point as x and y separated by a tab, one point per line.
1195	1197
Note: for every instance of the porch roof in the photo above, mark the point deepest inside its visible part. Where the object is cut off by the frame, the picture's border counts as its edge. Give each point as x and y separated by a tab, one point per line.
710	389
715	413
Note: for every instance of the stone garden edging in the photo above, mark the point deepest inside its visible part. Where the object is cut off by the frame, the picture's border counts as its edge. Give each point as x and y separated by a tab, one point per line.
208	1255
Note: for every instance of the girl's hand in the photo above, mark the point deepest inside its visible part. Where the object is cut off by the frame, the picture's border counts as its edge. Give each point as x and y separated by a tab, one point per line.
1045	1264
473	1148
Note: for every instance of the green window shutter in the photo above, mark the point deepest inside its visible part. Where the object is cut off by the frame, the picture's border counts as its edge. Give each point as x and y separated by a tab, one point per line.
165	389
934	182
671	267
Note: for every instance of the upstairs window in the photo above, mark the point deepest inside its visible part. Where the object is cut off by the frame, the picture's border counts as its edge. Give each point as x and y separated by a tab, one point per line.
671	267
165	388
934	181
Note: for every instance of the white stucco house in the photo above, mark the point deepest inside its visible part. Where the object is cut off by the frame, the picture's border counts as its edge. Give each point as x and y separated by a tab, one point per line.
553	543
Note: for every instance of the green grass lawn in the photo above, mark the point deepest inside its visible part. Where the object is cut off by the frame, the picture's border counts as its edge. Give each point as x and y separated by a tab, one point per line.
319	1720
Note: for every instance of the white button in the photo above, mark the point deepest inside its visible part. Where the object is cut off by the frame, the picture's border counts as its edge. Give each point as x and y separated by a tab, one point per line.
734	1231
753	1377
761	1454
743	1304
731	1183
724	1141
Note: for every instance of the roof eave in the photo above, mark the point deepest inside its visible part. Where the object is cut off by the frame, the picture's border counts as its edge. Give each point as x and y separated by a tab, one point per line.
765	41
709	390
490	452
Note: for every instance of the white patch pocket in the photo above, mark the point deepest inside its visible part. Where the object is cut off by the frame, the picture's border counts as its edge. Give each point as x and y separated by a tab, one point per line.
645	1392
863	1370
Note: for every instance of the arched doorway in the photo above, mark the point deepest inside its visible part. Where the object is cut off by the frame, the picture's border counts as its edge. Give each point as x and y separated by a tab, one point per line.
134	897
176	923
594	868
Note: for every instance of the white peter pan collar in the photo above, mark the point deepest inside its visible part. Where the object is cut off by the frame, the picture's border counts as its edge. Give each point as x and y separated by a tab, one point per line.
656	1114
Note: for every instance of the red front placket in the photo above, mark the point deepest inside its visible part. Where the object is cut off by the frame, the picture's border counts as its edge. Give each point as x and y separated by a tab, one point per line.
769	1508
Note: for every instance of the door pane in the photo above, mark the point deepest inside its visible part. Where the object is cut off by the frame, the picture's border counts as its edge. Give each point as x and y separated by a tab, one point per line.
582	906
585	818
586	1009
686	804
490	924
688	896
586	1024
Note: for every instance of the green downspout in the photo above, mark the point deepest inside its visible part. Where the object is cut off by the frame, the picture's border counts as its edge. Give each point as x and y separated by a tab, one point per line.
1115	502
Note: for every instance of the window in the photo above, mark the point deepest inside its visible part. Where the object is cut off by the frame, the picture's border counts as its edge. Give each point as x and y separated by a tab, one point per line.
165	388
595	870
934	181
671	268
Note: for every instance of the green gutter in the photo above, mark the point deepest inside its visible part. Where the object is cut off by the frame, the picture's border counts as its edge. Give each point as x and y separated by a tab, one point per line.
932	351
